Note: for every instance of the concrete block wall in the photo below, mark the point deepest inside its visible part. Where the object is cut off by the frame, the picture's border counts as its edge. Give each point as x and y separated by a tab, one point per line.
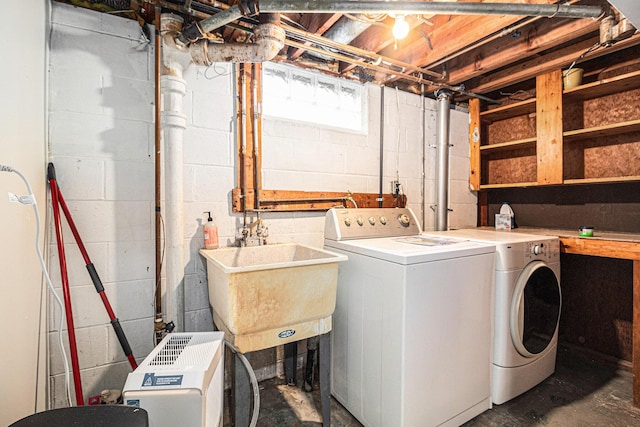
101	141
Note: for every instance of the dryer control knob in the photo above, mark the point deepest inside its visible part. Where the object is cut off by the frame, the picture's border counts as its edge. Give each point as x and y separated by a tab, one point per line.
372	220
347	222
535	249
360	221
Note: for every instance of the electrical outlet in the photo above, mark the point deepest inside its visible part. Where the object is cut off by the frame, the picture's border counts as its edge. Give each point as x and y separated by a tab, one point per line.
395	188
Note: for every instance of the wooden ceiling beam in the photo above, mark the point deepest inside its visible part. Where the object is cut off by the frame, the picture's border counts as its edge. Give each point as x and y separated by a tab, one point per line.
543	35
316	23
542	64
449	37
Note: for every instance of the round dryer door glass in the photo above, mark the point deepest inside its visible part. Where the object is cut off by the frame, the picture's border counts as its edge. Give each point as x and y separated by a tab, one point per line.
535	309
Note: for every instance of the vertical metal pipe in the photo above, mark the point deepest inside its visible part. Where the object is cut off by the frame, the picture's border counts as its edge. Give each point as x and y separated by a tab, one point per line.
243	131
442	147
423	129
381	144
158	164
257	134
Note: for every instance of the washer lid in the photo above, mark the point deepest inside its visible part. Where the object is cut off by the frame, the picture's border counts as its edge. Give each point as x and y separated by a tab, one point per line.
412	249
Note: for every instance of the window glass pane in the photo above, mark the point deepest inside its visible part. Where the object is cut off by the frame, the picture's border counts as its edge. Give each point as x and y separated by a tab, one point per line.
294	94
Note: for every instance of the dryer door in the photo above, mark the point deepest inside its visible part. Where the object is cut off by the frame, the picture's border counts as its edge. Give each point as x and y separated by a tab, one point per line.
535	309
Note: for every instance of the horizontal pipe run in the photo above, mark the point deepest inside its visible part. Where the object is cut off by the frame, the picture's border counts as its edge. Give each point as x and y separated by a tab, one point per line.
419	8
367	65
308	200
314	38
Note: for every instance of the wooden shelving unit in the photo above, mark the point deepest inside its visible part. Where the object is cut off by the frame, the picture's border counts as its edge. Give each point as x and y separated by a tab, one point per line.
551	144
622	83
507	111
601	131
510	145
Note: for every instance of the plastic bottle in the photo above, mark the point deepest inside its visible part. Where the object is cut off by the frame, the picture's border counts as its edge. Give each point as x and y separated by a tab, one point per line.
210	233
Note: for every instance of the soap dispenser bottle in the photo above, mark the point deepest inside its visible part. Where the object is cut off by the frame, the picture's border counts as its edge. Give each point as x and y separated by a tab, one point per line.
210	233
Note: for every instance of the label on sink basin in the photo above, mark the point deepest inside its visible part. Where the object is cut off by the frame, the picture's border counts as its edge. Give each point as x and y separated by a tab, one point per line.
286	333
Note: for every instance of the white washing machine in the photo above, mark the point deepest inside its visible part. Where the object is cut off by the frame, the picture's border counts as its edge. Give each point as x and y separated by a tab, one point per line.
528	301
411	338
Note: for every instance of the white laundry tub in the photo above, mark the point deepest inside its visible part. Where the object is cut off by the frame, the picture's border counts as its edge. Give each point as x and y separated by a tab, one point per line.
263	296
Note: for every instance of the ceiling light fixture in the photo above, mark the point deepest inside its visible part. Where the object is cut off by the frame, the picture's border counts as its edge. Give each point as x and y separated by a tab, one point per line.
400	28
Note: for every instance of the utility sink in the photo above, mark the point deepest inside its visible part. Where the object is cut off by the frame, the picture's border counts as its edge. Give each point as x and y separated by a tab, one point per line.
263	296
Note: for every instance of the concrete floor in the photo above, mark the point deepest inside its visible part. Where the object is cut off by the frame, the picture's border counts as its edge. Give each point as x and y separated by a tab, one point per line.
582	392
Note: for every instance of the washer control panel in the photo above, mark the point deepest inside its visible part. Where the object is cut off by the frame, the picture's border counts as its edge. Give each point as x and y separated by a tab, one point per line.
361	223
545	250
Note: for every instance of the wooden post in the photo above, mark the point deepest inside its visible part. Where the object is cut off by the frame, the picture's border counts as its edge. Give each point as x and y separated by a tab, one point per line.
474	143
549	127
636	333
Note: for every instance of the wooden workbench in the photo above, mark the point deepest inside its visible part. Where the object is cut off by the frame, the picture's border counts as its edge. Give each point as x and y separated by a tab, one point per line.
608	245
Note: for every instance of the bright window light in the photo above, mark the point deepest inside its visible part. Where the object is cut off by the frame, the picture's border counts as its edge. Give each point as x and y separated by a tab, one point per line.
294	94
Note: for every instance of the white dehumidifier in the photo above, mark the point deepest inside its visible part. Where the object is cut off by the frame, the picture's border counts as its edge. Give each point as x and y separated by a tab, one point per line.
180	383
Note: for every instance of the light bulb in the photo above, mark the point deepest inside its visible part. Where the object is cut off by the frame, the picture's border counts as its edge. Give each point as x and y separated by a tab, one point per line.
400	28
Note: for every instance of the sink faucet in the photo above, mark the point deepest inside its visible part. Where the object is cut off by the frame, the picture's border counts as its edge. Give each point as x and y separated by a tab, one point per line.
247	235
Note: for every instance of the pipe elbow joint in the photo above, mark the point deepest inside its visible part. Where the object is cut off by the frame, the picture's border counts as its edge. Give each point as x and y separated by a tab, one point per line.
270	38
269	41
191	33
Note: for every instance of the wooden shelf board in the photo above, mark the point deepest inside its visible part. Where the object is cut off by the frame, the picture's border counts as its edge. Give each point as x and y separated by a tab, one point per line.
510	145
609	179
601	131
508	111
508	185
604	87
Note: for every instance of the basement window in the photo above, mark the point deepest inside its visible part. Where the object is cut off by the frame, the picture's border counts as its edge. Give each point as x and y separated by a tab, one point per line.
293	94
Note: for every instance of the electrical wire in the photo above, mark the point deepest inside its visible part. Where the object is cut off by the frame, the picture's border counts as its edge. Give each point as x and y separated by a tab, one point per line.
594	46
31	199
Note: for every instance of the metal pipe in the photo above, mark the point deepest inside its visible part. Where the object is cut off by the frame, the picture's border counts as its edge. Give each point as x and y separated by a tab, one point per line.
423	129
257	102
366	64
502	33
374	57
306	200
381	144
420	8
158	165
197	30
442	173
243	133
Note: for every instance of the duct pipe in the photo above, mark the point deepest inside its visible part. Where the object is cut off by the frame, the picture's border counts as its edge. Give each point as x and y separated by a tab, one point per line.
174	122
442	149
435	8
175	59
197	30
269	40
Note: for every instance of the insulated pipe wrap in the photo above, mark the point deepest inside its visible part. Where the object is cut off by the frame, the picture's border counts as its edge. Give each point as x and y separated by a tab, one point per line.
269	41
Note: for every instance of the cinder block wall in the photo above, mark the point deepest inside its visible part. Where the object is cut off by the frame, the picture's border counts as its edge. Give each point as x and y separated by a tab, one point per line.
101	142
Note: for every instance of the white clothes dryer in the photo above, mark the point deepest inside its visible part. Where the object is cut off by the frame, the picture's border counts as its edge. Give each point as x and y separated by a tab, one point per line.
527	307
